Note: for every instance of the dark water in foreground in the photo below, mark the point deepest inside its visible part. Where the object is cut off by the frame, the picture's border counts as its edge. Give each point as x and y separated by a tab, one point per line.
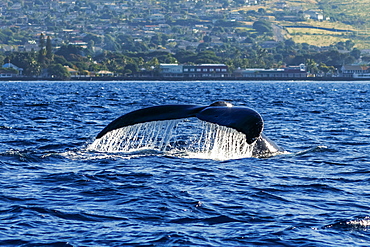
55	193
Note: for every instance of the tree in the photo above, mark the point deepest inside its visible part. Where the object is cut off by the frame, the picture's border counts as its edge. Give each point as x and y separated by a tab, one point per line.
110	43
153	63
27	61
42	41
349	44
311	66
207	39
156	39
326	69
262	27
206	57
69	52
97	39
262	11
49	51
61	60
58	71
90	47
42	51
131	68
356	53
184	56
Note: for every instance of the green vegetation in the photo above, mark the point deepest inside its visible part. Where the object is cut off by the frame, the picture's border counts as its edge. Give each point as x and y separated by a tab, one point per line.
56	65
130	37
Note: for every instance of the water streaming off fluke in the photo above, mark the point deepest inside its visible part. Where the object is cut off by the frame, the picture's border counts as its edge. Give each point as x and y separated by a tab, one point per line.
195	139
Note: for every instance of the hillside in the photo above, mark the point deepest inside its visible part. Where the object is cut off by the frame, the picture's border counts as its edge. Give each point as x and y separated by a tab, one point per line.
323	22
316	22
127	37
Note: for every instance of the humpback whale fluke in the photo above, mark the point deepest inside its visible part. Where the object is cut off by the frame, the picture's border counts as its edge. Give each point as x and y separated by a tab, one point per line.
242	119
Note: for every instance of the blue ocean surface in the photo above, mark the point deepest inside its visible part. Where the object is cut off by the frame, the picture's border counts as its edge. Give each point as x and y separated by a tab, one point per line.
55	191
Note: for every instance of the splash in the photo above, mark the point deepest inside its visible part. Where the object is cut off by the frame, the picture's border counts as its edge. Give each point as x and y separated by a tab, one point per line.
220	143
185	138
355	224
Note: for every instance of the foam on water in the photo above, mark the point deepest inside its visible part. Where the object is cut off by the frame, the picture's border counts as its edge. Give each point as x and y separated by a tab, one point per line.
177	137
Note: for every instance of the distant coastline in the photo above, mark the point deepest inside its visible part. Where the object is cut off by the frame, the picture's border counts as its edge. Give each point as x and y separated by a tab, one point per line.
188	79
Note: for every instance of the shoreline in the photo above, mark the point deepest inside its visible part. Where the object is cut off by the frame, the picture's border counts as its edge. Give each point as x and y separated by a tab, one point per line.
189	79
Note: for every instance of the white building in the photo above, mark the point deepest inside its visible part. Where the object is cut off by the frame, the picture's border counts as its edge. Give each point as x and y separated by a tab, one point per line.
171	70
287	72
315	15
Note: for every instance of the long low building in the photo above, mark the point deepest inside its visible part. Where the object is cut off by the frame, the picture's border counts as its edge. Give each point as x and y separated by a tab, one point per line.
206	70
194	71
222	71
287	72
355	71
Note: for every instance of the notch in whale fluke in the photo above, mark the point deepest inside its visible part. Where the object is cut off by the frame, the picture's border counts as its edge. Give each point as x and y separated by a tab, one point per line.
242	119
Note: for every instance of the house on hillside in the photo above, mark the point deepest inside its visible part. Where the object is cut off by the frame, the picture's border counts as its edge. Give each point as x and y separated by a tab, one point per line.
30	45
12	66
314	15
157	18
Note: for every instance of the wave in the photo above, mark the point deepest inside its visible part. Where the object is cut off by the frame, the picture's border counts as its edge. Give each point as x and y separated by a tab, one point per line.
75	216
22	155
315	149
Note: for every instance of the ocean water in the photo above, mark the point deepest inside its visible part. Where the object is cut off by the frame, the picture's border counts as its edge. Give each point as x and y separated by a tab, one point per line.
56	191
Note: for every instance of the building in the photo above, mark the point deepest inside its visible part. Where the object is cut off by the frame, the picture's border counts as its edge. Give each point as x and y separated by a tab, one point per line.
30	45
206	71
12	66
194	71
355	71
287	72
315	15
72	72
171	70
105	73
7	74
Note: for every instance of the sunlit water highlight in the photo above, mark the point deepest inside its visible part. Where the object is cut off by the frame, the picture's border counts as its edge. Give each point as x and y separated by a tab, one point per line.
183	138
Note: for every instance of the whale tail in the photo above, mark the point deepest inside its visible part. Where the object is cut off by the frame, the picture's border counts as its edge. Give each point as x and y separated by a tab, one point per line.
242	119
